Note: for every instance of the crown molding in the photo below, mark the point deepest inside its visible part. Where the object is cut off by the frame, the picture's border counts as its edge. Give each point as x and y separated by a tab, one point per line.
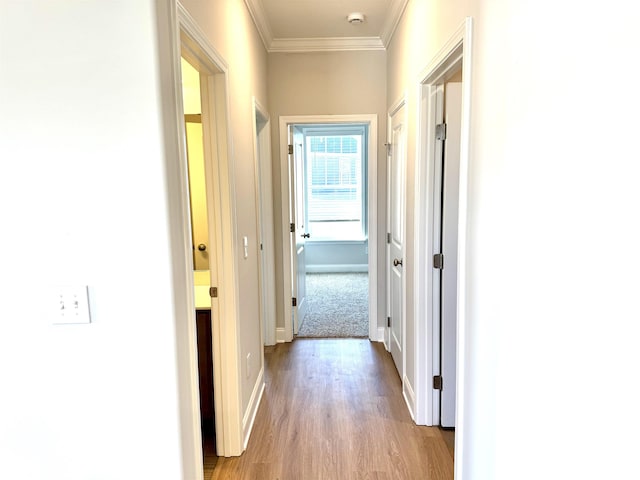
393	19
260	19
326	44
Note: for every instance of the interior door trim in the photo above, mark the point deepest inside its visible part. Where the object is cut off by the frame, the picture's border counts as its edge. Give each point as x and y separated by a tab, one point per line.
285	333
456	52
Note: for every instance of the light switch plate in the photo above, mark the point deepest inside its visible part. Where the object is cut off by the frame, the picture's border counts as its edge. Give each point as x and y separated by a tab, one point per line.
72	305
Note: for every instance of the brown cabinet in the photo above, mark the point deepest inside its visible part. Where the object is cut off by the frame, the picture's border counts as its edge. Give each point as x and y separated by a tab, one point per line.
205	369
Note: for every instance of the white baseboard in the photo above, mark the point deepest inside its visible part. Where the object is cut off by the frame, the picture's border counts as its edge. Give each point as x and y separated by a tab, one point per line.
409	397
353	268
381	334
252	409
280	335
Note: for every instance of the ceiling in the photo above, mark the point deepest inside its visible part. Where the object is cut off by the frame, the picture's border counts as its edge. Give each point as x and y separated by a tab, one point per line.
321	25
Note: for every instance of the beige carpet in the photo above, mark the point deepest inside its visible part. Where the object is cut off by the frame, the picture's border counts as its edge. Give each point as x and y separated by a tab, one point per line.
338	305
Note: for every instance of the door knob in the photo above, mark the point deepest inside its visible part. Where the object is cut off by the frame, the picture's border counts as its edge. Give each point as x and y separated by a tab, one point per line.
397	261
202	247
306	235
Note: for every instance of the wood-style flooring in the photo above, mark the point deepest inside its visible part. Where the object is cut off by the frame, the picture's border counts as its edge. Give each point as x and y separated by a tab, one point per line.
333	409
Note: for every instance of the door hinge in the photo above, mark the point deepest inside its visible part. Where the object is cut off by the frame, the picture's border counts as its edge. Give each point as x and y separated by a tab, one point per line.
388	237
388	321
441	131
290	149
261	247
438	261
292	227
213	292
294	302
388	145
437	382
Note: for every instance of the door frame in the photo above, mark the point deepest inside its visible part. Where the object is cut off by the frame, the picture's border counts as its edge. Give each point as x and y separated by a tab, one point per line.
445	240
185	38
455	54
286	334
264	208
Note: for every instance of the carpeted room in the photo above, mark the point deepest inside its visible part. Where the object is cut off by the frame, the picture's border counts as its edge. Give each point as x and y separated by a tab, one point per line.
337	305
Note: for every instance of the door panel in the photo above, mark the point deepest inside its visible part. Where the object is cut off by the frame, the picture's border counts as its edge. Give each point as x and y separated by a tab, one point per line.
197	192
396	313
451	163
438	99
301	225
395	223
298	237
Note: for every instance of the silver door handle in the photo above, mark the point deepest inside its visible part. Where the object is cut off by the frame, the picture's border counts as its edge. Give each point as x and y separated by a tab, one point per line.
397	261
202	247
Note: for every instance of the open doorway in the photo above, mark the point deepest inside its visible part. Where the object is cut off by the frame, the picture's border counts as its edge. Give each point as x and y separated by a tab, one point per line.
446	182
265	227
196	288
332	211
192	105
440	225
330	243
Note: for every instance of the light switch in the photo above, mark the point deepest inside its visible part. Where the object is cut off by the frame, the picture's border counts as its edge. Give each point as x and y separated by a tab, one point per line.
72	305
245	244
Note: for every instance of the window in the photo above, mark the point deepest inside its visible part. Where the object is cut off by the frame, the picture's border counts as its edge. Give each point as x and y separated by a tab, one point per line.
334	185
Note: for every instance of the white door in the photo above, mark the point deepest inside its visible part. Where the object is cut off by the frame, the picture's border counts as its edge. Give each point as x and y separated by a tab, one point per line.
197	191
298	226
395	233
449	242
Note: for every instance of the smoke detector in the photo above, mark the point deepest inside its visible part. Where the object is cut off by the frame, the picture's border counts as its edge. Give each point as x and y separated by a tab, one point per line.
355	18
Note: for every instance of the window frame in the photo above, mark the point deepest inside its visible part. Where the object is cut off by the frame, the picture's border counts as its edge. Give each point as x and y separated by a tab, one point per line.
358	129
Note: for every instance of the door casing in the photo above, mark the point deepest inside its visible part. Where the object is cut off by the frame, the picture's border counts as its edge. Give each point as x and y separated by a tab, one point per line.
286	333
445	233
456	53
185	39
264	207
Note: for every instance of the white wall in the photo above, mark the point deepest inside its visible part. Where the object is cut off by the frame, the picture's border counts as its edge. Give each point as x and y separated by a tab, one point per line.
88	137
328	83
553	258
336	257
83	201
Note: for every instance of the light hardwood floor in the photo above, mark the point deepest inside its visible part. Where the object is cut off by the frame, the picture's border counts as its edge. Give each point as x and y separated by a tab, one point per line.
333	409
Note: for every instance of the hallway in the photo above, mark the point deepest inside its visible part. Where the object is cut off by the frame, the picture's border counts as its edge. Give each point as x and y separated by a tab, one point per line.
333	409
